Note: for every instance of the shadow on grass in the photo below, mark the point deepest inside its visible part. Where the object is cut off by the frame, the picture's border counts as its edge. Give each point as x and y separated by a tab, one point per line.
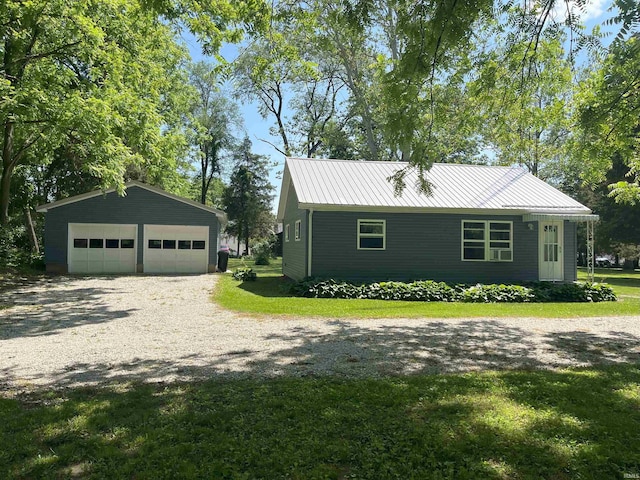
615	277
542	424
269	287
633	282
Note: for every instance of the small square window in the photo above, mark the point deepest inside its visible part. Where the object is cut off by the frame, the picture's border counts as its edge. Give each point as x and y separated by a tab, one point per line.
80	243
126	243
169	244
198	245
155	244
112	243
96	243
184	244
371	234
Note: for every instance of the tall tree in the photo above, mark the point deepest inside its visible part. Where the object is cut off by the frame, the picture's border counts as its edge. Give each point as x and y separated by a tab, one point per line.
527	116
249	195
422	43
86	77
334	57
345	35
618	230
280	66
609	123
212	122
315	108
91	77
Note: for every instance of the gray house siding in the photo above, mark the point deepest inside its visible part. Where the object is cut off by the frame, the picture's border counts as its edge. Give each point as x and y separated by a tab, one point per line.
419	246
294	253
139	206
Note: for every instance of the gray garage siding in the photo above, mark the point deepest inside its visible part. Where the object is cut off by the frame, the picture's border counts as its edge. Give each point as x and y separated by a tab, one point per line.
422	246
139	206
294	253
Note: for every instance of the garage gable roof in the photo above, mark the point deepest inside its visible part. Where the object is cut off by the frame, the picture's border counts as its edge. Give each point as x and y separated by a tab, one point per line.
347	185
96	193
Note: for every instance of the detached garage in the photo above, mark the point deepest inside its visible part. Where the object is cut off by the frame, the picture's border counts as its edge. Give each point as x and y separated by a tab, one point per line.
148	230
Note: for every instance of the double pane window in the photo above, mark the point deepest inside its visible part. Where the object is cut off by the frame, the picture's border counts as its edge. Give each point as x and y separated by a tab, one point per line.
372	234
487	241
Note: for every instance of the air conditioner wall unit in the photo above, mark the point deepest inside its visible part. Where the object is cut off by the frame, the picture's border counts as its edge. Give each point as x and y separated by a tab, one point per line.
499	255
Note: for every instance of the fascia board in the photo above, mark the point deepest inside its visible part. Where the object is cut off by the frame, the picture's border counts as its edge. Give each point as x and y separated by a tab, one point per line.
466	211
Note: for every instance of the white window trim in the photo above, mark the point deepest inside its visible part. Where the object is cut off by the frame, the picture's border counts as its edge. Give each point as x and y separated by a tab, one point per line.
298	230
486	241
286	232
372	235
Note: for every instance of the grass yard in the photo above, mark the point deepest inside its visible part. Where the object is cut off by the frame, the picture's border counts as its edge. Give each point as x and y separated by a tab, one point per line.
267	296
526	424
506	425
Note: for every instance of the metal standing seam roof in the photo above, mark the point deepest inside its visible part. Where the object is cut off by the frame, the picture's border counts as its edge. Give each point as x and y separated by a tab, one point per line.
347	184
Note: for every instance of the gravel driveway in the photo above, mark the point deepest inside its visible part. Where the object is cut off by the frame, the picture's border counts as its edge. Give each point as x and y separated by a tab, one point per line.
75	331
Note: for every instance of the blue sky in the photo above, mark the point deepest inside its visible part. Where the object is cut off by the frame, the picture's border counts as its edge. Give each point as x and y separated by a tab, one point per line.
255	126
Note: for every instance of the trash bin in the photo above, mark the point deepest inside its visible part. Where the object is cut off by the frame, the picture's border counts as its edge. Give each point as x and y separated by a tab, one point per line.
223	259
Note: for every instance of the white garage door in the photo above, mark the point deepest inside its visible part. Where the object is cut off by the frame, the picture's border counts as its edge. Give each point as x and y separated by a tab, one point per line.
102	248
176	249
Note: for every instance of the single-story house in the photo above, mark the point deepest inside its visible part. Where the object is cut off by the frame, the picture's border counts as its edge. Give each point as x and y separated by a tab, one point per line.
147	230
481	223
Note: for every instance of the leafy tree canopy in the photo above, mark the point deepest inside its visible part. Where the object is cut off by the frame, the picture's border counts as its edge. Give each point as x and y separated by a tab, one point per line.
100	82
609	124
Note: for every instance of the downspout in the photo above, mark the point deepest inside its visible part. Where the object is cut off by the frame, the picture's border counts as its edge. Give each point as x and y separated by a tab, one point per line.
590	252
310	242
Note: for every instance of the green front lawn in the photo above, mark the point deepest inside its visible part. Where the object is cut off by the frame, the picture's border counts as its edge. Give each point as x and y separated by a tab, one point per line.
493	425
267	296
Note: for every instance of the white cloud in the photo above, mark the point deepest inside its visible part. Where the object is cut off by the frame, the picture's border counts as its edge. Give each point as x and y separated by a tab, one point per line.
595	8
590	11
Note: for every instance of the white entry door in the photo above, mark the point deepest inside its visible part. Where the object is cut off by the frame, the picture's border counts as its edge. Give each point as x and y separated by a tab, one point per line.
551	251
102	248
176	249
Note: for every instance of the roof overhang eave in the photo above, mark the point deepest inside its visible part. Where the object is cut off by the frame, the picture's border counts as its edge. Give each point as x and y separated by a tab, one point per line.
570	216
408	209
527	216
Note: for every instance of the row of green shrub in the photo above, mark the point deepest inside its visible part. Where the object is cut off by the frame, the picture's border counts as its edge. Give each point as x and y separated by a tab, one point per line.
431	291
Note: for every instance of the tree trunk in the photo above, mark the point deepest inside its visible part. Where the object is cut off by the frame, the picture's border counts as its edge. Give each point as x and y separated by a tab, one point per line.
5	184
28	223
7	171
246	239
204	167
203	191
281	129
